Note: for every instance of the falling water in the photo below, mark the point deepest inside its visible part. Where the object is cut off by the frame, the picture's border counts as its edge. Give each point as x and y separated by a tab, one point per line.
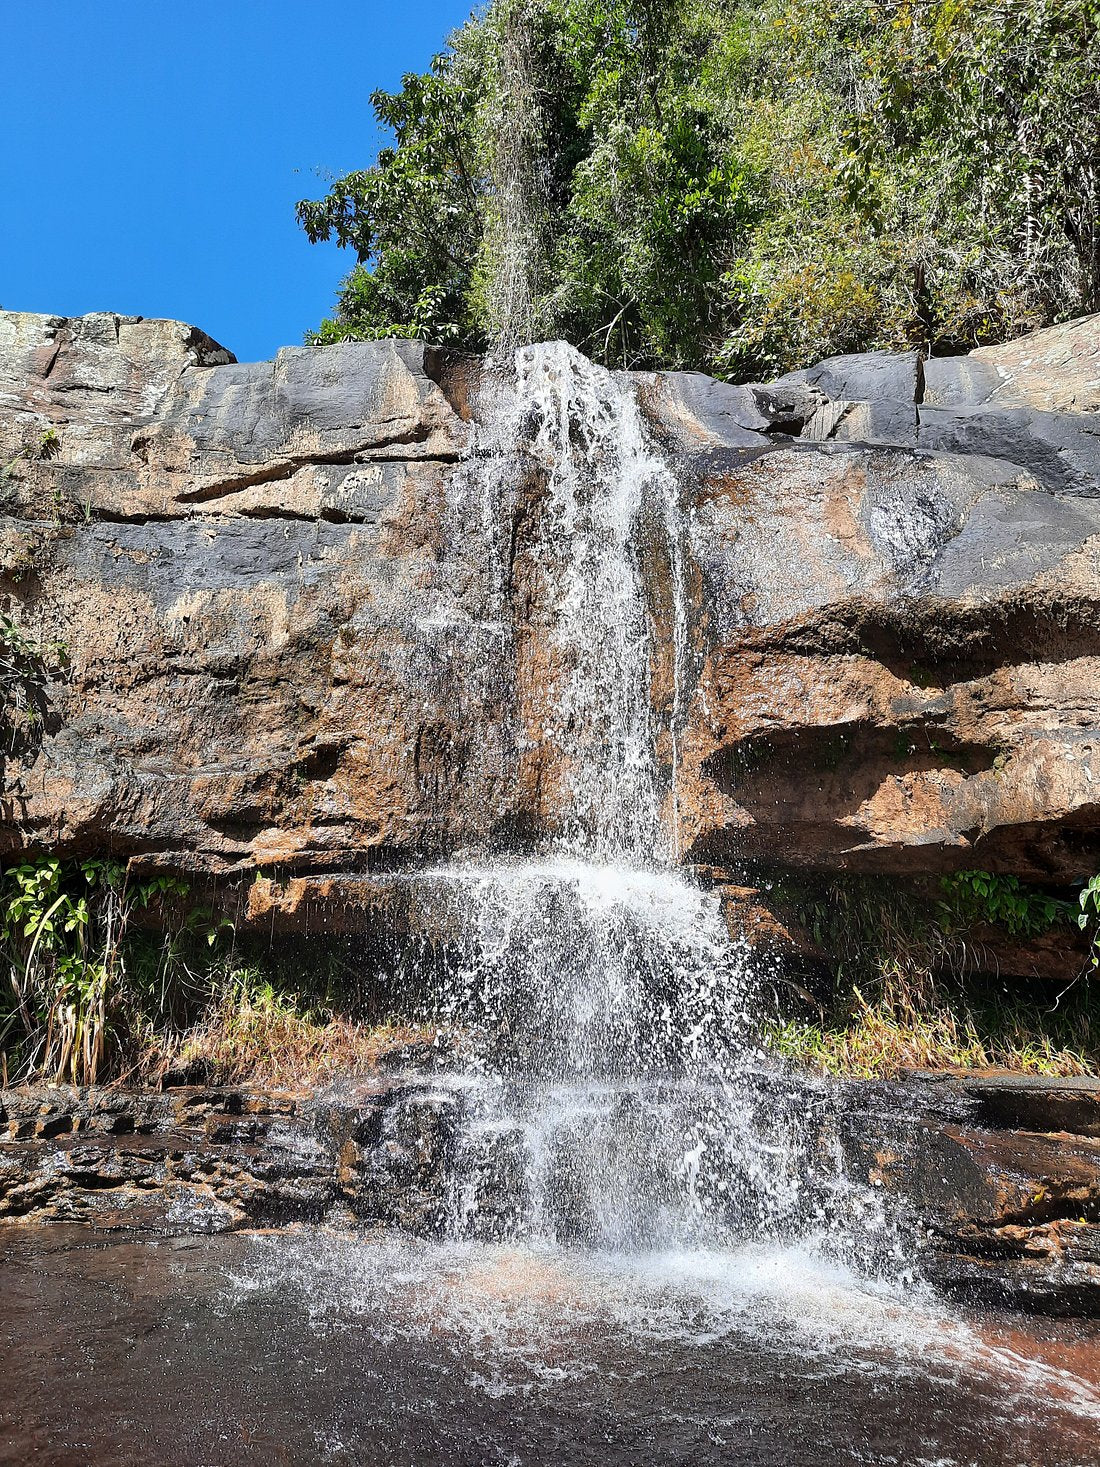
567	450
652	1251
608	499
615	1095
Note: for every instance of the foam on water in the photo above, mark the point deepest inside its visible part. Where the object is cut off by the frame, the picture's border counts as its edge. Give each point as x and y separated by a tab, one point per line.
326	1345
537	1319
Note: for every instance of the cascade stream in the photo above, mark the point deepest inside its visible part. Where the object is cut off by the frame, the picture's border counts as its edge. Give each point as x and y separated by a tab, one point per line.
605	1228
614	1093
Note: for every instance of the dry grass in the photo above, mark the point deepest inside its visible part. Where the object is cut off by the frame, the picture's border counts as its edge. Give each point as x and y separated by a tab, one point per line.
884	1038
910	990
252	1034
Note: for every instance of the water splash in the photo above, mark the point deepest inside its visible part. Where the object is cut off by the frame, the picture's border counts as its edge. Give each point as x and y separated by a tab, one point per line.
610	505
618	1099
570	971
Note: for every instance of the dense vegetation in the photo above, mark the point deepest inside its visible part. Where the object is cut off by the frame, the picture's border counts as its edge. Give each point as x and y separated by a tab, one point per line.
909	979
108	975
737	187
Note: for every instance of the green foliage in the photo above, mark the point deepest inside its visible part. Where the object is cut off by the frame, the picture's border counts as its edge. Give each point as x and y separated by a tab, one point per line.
1088	919
78	977
413	218
741	188
1002	901
27	668
906	987
104	975
256	1026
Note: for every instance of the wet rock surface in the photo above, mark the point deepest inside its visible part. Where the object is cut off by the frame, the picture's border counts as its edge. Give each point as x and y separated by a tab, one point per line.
998	1178
351	1349
1002	1176
277	655
214	1160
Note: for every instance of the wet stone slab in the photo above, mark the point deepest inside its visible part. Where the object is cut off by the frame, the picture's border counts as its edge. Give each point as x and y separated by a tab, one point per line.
998	1199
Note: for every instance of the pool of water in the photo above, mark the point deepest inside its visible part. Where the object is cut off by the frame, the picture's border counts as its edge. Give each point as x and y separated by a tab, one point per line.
344	1348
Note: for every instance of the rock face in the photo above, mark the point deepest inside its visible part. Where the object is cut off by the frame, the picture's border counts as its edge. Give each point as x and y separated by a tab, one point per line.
242	562
1004	1177
214	1160
899	572
275	657
999	1180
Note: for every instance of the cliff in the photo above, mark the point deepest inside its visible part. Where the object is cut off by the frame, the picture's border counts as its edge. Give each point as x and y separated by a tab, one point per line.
274	658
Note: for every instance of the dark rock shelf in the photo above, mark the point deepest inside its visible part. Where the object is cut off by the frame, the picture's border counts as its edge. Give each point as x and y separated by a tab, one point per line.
1001	1214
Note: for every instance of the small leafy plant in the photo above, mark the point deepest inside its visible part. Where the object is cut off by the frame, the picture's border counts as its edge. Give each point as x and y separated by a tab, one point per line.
27	668
1088	918
64	930
1002	901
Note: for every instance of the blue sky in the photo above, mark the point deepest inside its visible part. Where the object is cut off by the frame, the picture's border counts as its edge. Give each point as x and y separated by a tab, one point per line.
153	151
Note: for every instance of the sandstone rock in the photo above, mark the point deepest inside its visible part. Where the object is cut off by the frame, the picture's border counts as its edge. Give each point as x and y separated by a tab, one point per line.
899	624
998	1176
1056	370
1001	1176
267	663
278	661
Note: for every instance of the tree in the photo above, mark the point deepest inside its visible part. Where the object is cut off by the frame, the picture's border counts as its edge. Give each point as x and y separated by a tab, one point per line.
730	186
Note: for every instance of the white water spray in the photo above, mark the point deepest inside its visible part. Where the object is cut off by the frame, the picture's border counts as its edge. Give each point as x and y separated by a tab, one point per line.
618	1099
609	505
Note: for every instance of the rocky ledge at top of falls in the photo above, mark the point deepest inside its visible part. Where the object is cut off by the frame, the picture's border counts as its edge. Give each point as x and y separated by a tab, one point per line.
277	655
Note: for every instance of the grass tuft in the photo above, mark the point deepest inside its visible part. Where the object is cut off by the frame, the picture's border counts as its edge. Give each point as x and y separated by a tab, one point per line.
251	1032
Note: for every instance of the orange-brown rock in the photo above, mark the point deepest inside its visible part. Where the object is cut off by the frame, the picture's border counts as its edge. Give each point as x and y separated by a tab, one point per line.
270	657
898	612
276	660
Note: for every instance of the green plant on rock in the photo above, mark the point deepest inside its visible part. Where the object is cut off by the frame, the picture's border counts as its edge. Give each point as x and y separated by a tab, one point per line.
1088	919
45	447
1002	901
64	933
27	669
905	985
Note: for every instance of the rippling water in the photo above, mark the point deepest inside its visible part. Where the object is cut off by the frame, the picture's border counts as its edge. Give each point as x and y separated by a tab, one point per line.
326	1347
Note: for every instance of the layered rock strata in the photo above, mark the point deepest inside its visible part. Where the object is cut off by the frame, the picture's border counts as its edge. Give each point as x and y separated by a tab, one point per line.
899	573
999	1179
265	617
263	598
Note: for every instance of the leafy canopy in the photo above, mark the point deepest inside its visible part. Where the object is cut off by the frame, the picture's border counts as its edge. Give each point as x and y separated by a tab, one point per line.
729	186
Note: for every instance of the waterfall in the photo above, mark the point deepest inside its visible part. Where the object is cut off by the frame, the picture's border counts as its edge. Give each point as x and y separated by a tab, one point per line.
608	498
615	1094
